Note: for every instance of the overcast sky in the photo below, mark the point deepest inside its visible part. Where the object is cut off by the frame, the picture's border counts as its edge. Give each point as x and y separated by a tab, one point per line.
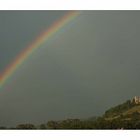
90	65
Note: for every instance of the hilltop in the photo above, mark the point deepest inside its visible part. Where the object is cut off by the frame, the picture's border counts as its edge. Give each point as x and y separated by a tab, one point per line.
124	109
125	115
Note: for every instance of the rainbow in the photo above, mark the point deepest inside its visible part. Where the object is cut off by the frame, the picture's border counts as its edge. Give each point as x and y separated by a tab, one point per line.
43	37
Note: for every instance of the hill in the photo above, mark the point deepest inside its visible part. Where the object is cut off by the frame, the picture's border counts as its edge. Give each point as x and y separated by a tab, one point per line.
125	115
122	116
127	107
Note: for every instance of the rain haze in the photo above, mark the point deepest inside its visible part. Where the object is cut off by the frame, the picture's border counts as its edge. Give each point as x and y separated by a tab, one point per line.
88	66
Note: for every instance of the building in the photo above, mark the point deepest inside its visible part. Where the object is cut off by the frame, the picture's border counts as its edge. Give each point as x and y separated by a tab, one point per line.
136	100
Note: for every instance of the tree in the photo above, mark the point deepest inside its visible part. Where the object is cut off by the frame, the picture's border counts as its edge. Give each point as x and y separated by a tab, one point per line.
25	126
53	125
42	126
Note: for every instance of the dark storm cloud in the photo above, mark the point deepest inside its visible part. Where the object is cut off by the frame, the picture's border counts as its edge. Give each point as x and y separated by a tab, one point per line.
87	67
18	29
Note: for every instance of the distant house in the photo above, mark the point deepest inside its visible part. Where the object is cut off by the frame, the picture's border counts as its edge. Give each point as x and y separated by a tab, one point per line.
136	100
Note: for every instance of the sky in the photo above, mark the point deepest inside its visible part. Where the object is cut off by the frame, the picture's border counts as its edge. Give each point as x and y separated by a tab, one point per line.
88	66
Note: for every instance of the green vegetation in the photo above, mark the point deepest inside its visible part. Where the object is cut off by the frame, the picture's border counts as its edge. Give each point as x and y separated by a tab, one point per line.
123	116
26	126
118	110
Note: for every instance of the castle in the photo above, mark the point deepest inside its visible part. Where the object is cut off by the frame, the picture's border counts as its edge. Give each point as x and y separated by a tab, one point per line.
136	100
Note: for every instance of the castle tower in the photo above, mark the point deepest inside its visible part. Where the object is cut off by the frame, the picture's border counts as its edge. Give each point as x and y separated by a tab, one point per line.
137	100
